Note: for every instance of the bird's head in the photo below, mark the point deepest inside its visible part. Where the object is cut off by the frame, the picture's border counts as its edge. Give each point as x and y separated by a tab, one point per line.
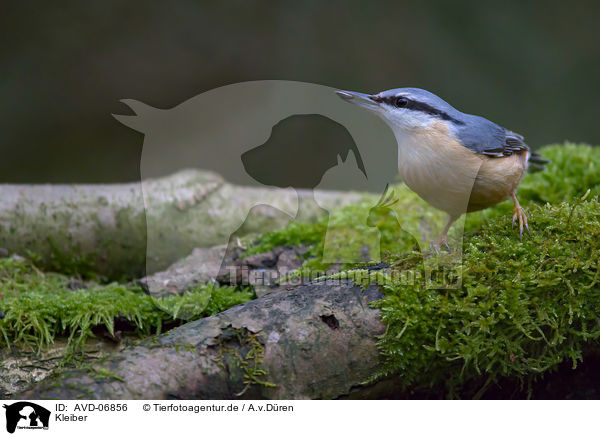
405	109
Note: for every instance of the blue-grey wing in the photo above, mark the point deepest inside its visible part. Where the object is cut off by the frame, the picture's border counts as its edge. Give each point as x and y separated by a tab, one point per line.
512	143
481	136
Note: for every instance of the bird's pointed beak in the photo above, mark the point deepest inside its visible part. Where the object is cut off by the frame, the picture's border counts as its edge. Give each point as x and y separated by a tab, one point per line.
364	100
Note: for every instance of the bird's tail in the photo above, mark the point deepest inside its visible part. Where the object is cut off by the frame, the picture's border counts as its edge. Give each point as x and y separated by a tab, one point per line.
537	162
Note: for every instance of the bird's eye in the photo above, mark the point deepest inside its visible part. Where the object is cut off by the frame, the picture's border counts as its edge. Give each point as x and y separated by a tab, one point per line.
401	102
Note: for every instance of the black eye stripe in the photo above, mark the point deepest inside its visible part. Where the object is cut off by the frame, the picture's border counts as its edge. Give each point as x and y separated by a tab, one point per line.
421	107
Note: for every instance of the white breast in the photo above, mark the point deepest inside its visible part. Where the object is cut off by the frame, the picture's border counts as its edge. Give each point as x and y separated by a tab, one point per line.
437	167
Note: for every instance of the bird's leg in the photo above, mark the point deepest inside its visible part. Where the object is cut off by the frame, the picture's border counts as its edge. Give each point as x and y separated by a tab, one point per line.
442	239
519	213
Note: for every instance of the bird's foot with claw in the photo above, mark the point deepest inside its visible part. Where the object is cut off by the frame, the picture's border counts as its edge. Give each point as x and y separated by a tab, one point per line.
519	213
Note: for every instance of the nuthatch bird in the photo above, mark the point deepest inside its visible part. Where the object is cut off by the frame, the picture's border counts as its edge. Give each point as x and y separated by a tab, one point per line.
456	162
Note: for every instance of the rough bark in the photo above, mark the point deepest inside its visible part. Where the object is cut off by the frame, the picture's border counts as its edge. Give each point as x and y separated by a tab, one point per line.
22	368
227	266
319	341
103	227
201	266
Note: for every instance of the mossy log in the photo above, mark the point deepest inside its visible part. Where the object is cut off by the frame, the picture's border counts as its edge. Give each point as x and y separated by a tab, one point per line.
107	228
312	341
22	367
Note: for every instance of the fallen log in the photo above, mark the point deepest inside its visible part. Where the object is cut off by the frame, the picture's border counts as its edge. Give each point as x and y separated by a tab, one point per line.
125	229
312	341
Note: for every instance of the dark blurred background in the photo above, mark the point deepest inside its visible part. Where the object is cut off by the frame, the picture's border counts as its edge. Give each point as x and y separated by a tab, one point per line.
531	67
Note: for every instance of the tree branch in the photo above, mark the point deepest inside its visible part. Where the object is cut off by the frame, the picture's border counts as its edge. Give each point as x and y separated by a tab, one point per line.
312	341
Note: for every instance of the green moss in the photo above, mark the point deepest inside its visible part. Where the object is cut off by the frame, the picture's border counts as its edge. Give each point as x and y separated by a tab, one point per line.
575	168
204	300
295	234
70	263
39	306
523	306
340	237
100	373
242	348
